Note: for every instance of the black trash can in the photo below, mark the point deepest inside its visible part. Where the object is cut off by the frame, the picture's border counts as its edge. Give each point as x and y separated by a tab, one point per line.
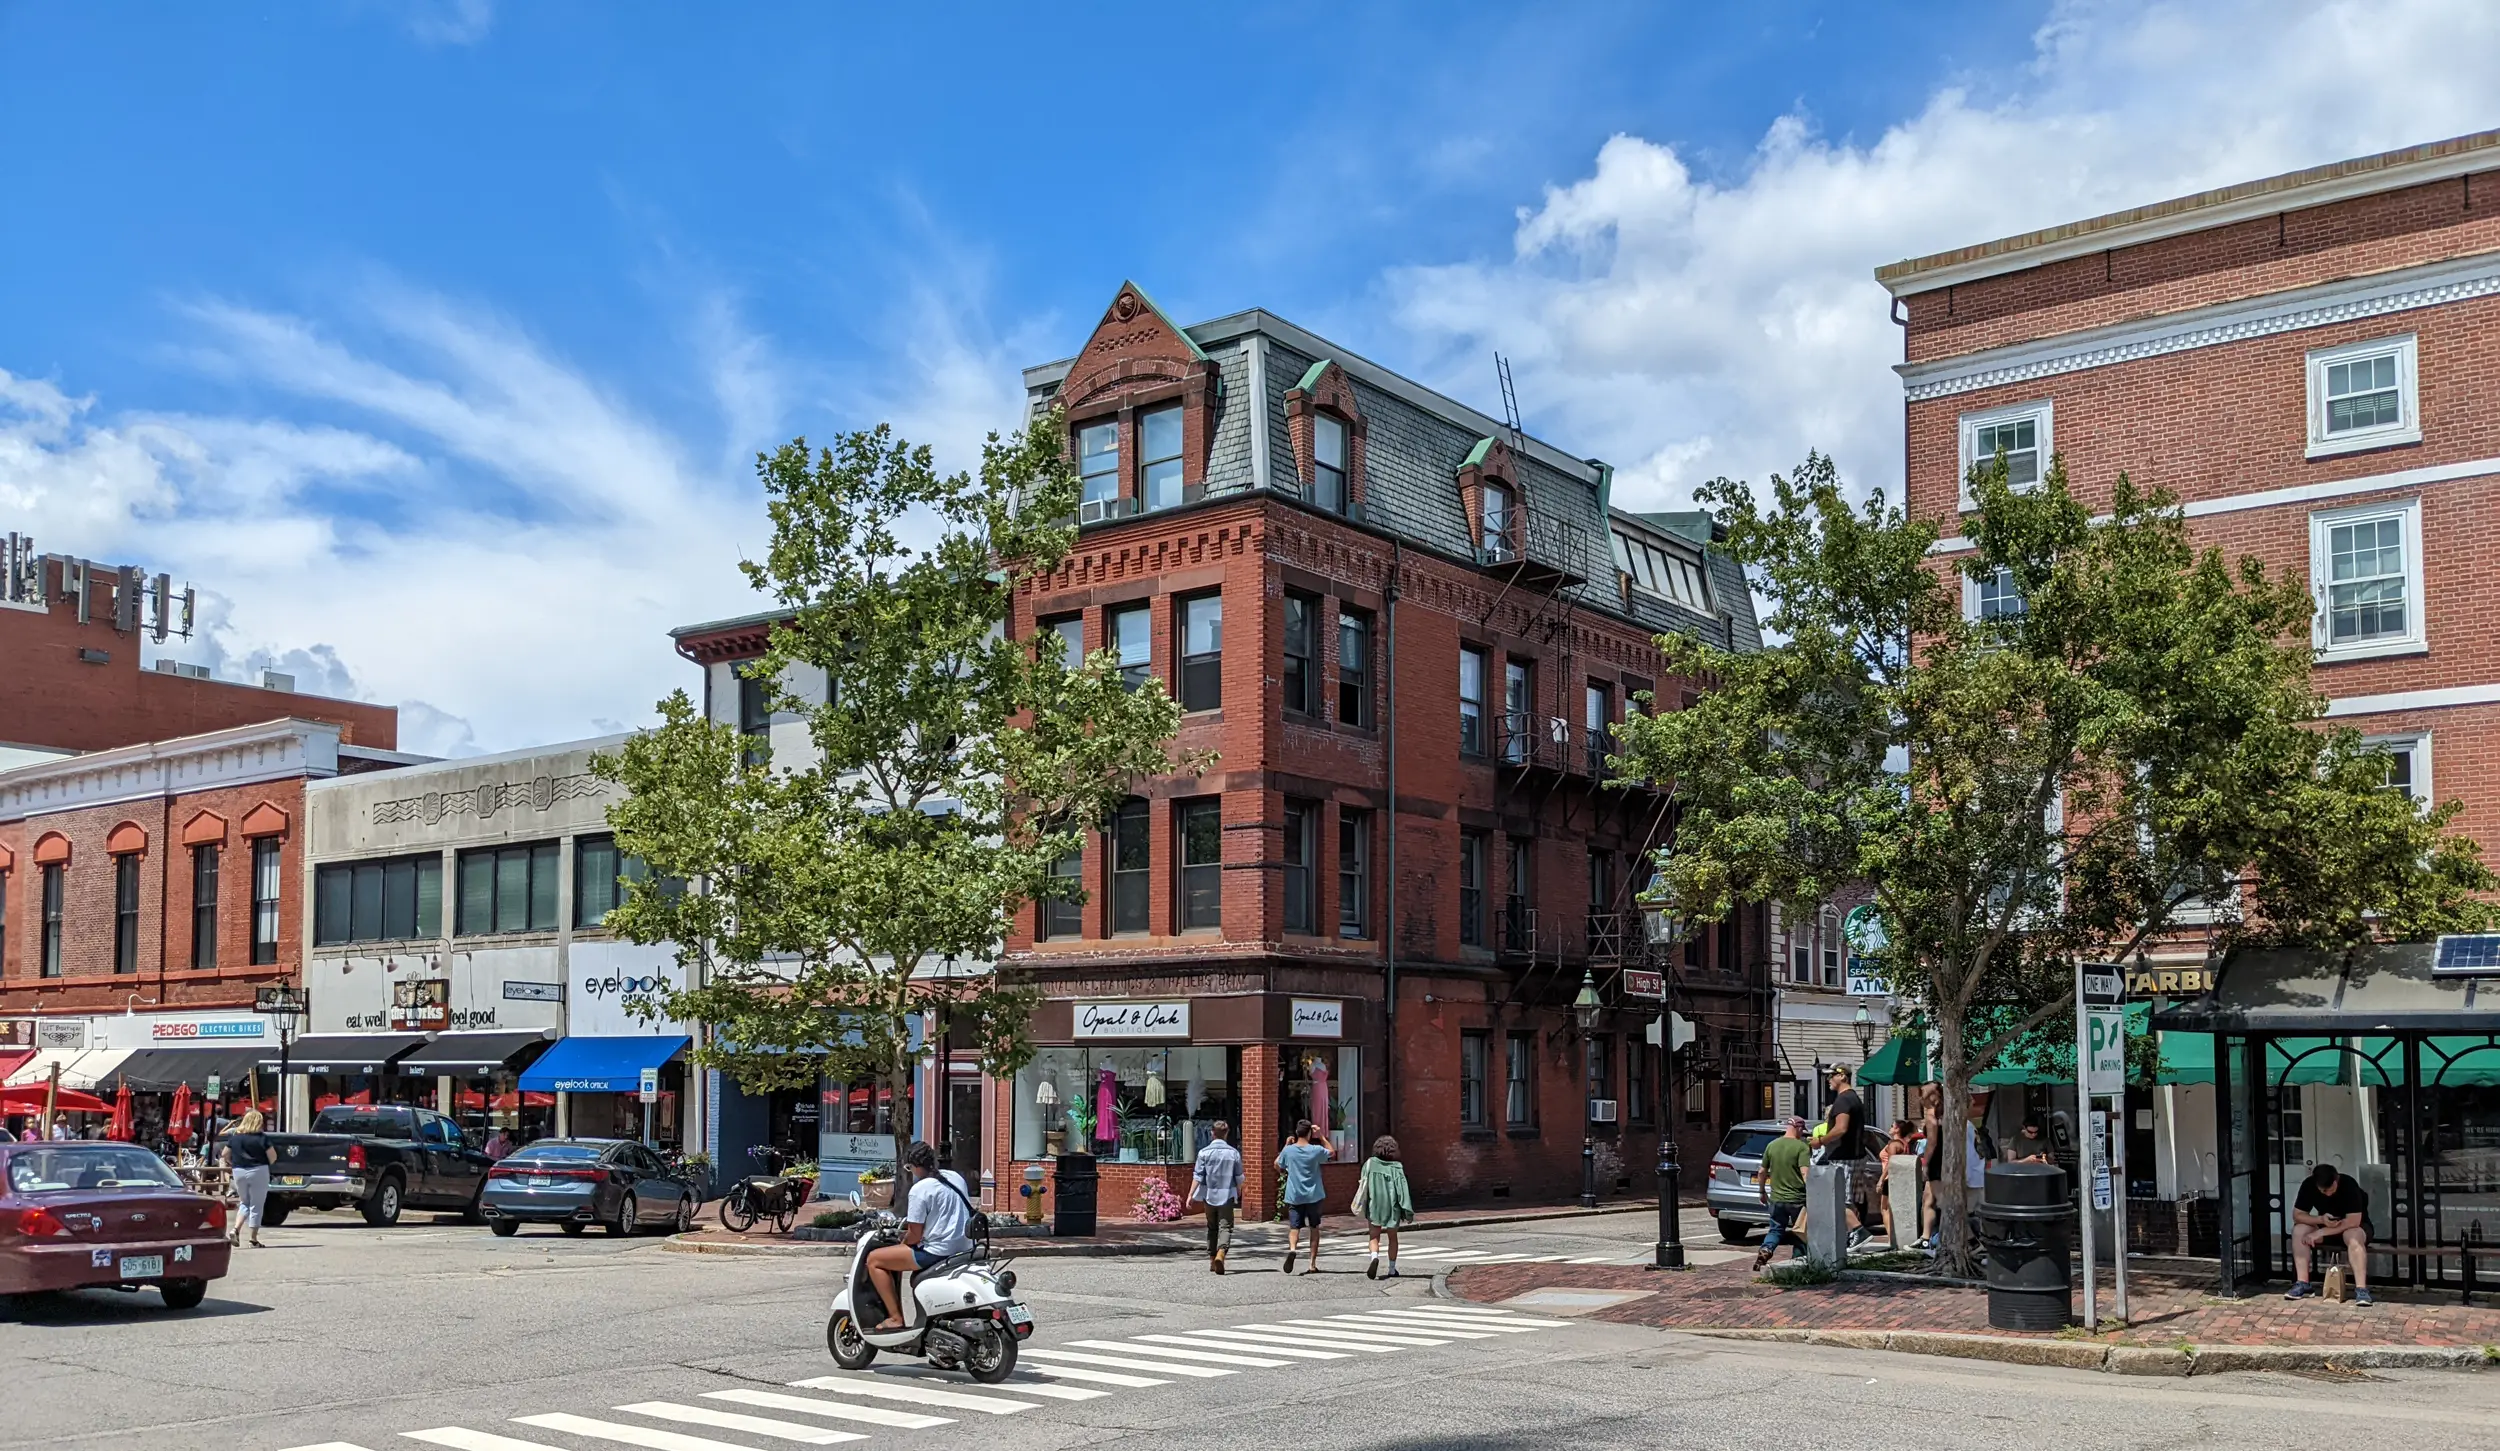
2022	1222
1073	1194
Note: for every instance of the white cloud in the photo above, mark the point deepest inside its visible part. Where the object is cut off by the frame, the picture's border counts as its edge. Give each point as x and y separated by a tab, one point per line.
1687	328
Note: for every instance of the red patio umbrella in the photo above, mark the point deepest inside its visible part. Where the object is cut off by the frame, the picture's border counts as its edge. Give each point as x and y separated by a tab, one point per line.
120	1128
178	1120
28	1097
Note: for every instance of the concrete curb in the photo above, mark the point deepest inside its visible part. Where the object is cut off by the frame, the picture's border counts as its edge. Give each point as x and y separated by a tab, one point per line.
1014	1249
2155	1360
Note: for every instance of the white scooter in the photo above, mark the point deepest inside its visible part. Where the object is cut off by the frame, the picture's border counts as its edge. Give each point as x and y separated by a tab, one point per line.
959	1314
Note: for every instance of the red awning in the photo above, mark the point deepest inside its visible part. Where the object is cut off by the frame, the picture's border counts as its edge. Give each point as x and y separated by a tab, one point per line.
28	1098
12	1059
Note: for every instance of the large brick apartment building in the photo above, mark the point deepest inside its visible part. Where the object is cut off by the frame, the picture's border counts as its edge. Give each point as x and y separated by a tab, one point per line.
2311	363
1355	586
1404	630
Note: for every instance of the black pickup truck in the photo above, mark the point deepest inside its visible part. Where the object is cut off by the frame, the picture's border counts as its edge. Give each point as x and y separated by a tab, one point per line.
381	1159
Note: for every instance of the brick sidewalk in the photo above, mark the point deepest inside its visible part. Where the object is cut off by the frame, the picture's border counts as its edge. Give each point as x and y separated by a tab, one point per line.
2166	1310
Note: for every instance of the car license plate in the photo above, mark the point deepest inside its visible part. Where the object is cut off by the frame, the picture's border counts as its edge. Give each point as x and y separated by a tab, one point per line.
142	1267
1018	1315
536	1181
290	1178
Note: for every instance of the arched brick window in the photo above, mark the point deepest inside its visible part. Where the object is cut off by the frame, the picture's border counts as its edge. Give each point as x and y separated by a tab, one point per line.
1140	401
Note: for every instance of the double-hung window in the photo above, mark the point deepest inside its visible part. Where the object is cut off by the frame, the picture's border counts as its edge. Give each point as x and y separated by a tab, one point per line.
1636	1089
1500	543
1992	598
1354	680
1516	887
1471	734
126	913
1131	628
1471	889
1354	889
1068	633
1159	457
2363	395
1202	652
1098	469
1830	918
755	715
2023	433
2365	567
1328	462
1474	1051
1601	1067
265	880
508	889
1518	711
1129	877
1597	719
1202	865
1301	857
1519	1080
2408	761
1301	662
1064	916
49	963
204	907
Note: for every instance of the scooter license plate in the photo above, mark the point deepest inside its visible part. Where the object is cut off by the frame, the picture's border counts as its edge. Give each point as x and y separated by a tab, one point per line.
1018	1315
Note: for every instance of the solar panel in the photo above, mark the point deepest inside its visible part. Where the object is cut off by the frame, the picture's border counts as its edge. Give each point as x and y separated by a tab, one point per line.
2469	953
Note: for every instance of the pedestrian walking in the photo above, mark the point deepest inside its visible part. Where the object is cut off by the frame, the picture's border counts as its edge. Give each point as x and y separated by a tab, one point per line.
1782	1178
1215	1181
1383	1200
1845	1144
1301	1160
245	1150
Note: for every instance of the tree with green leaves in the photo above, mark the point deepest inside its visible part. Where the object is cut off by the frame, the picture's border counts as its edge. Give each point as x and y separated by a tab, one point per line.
2122	743
836	895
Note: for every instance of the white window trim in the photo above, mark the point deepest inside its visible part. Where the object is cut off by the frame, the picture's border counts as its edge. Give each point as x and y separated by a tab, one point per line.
2041	409
2414	641
2408	425
2419	742
1970	600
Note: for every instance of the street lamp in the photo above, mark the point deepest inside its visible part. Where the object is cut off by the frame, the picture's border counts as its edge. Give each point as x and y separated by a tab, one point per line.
1587	1006
1866	1033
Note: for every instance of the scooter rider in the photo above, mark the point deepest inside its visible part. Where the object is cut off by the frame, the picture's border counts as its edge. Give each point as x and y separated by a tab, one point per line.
937	1224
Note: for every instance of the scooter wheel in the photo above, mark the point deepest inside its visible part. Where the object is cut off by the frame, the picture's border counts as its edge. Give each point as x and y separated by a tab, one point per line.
993	1356
851	1350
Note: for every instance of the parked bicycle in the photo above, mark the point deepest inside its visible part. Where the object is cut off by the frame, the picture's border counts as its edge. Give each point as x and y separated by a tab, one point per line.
774	1195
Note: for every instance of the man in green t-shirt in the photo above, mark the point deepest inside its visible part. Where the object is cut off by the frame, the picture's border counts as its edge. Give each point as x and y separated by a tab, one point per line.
1783	1180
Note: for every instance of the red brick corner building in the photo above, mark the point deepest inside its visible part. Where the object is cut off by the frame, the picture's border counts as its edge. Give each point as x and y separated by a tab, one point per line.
2308	362
1404	632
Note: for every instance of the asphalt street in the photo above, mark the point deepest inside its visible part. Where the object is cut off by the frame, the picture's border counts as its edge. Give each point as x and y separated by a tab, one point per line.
340	1336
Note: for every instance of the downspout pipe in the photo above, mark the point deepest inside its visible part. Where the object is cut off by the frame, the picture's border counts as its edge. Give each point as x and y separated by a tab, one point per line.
1389	737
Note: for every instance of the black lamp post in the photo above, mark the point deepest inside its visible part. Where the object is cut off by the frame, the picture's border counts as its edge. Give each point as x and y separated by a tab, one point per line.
1587	1006
1670	1251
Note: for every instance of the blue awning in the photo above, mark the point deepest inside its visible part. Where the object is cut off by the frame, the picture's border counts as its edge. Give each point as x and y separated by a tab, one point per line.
598	1065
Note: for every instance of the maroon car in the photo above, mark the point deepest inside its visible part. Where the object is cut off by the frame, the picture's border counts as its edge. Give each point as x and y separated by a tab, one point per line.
78	1216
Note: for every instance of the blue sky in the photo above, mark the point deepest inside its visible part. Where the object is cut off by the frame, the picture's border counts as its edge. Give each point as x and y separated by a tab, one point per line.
433	339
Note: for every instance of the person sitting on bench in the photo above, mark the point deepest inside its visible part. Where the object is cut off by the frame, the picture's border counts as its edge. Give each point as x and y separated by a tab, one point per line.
2331	1207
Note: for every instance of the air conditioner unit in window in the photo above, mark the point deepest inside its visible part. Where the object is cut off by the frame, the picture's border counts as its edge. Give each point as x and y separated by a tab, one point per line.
1096	511
1602	1111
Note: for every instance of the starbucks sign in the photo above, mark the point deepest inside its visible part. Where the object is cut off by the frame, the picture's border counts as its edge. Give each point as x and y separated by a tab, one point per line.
1863	929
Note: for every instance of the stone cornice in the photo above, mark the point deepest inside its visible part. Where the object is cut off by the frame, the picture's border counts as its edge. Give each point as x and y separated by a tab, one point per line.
270	751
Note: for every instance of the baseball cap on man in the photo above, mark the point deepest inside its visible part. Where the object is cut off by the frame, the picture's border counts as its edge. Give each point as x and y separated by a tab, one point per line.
1797	1123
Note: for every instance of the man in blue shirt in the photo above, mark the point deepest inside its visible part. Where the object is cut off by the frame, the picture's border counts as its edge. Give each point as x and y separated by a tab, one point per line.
1215	1181
1300	1160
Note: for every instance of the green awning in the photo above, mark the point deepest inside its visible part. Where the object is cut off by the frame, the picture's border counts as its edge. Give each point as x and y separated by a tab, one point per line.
2186	1058
1901	1060
2446	1061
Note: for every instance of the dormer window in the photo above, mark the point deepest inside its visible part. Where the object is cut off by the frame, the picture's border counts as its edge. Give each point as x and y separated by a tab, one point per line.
1497	523
1328	462
1159	463
1098	466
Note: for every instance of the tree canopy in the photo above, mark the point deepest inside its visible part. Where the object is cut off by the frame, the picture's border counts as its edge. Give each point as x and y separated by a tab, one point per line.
837	892
2117	743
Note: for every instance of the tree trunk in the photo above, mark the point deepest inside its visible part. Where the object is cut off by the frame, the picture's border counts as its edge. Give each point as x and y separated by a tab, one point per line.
1954	1254
900	1085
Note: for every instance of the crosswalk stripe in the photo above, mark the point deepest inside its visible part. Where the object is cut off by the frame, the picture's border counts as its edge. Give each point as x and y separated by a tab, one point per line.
1096	1377
1381	1333
1397	1325
461	1438
871	1386
1203	1341
865	1415
328	1446
1480	1316
1027	1387
1595	1260
650	1436
1429	1252
732	1421
1440	1325
1051	1359
1264	1334
1499	1259
1201	1357
1541	1259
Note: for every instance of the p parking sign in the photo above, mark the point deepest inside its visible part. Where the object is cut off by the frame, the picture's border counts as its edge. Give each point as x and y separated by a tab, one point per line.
2105	1050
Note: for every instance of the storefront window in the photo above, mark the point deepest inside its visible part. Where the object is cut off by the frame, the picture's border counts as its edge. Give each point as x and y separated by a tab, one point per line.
1325	1085
1129	1105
